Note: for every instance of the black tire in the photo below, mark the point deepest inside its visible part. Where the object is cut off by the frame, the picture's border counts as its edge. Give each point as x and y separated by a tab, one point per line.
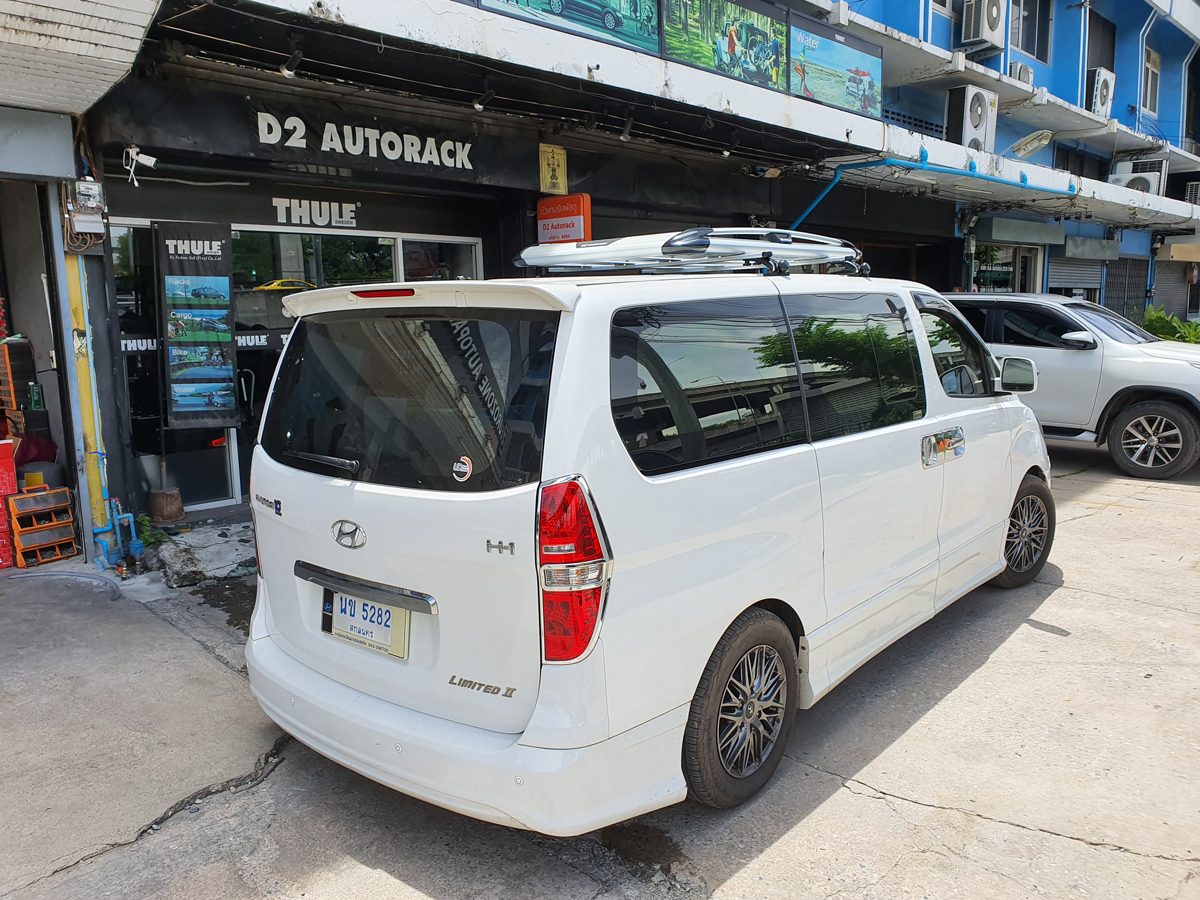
1030	534
610	20
1154	439
556	7
755	635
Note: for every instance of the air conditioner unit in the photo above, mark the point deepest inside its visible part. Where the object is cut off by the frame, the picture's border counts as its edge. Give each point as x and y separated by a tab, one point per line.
1193	192
983	22
1100	86
1021	72
1146	182
971	117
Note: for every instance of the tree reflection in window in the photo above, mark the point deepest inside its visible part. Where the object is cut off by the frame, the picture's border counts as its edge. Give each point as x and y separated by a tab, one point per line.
858	360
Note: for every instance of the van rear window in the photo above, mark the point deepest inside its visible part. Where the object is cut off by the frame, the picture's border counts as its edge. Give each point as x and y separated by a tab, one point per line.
427	398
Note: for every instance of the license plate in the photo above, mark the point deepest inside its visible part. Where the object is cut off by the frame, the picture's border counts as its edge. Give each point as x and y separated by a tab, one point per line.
373	626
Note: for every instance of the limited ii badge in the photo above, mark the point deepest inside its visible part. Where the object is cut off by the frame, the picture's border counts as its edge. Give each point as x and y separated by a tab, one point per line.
462	468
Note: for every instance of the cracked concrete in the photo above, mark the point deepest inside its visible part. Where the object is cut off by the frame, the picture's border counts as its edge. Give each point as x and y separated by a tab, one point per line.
1025	744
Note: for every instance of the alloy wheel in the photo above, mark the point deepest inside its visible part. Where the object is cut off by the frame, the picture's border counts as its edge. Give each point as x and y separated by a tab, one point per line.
752	711
1152	441
1027	530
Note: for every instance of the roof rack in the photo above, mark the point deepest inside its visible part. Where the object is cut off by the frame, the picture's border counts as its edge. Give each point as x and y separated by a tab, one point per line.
773	251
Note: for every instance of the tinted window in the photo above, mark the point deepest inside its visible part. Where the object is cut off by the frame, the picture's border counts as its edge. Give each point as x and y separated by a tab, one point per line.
696	382
962	366
977	316
1034	328
1114	326
421	398
858	360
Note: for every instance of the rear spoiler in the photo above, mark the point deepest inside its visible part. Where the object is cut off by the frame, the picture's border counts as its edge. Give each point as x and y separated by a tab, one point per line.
560	296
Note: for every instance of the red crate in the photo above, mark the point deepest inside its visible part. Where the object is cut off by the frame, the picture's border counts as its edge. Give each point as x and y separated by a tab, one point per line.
6	549
8	471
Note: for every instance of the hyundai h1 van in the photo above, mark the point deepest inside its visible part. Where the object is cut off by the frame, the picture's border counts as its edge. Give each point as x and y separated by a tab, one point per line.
558	551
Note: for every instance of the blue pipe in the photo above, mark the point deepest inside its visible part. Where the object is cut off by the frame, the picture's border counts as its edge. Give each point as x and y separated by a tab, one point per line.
922	166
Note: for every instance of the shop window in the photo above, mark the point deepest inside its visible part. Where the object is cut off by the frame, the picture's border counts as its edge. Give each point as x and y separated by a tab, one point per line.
1029	27
1004	269
133	271
859	362
352	259
438	260
696	382
1151	69
960	361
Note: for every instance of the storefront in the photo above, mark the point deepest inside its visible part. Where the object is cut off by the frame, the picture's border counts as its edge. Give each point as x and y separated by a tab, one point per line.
1076	267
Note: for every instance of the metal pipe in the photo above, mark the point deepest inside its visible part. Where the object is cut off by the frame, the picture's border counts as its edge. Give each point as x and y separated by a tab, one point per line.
924	166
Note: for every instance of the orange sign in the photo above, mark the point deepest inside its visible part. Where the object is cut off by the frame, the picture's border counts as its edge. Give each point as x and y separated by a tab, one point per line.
562	219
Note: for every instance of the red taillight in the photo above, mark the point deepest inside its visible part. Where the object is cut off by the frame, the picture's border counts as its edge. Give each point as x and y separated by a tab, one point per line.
385	292
572	560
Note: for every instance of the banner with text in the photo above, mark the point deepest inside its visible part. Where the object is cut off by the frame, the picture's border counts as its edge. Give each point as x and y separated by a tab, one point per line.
195	264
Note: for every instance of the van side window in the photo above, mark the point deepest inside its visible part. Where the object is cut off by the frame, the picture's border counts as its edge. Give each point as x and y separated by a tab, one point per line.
696	382
859	362
962	366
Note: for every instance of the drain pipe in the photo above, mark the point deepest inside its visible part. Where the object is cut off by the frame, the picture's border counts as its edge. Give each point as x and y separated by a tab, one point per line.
923	165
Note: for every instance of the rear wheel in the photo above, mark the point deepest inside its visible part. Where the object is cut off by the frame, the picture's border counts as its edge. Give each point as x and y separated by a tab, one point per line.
1155	439
1030	534
610	20
556	7
743	711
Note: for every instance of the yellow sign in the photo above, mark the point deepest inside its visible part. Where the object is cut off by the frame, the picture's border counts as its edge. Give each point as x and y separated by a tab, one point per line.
554	168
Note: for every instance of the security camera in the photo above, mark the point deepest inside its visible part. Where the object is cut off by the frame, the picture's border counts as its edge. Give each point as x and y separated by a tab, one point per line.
132	157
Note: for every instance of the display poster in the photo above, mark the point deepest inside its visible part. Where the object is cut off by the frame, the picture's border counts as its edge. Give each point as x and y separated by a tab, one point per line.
729	38
195	263
835	68
631	23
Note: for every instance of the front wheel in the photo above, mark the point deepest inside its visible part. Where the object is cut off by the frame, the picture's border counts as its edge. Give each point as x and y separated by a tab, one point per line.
556	7
610	20
743	711
1155	439
1030	534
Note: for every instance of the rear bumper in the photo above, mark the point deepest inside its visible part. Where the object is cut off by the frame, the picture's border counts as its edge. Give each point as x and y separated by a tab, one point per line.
475	772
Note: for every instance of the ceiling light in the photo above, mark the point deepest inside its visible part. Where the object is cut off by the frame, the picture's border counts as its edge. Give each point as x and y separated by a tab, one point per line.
733	145
624	135
288	69
483	100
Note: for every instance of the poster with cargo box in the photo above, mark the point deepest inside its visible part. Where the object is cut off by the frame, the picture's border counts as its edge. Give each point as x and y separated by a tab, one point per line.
834	68
195	268
746	40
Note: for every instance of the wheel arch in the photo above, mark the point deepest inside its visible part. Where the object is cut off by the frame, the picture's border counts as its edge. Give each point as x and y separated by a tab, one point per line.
791	619
1140	393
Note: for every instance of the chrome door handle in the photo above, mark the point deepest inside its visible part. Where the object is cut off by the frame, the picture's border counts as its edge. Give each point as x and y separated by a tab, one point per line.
942	447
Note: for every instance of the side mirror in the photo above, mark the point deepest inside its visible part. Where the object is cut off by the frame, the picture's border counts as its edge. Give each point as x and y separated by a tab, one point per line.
1079	340
1018	375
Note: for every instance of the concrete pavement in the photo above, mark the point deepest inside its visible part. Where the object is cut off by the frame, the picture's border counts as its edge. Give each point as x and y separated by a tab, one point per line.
1037	742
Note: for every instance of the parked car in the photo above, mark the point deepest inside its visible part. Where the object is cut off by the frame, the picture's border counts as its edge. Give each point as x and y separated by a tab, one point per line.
555	552
280	284
207	293
583	10
1103	379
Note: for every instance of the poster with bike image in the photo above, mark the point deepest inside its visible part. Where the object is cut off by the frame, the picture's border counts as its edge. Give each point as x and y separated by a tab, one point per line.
835	68
196	312
734	39
631	23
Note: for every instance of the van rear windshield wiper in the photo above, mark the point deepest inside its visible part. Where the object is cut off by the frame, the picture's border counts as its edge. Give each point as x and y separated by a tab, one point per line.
350	465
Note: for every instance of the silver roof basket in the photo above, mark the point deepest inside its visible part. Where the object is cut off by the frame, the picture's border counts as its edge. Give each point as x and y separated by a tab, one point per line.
770	250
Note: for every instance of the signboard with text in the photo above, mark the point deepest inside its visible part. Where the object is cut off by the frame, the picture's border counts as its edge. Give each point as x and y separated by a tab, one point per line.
195	264
563	219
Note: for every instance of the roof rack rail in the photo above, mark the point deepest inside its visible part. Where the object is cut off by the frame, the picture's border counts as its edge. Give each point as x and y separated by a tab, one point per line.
772	250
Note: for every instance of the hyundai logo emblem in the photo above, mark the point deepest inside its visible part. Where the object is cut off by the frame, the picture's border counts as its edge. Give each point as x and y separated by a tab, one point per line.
349	534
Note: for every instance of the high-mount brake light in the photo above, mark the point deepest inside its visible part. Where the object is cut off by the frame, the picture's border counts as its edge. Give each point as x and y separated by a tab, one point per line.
381	293
573	566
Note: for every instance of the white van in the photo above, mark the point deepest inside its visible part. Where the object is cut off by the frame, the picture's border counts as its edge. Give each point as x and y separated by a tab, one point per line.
556	552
